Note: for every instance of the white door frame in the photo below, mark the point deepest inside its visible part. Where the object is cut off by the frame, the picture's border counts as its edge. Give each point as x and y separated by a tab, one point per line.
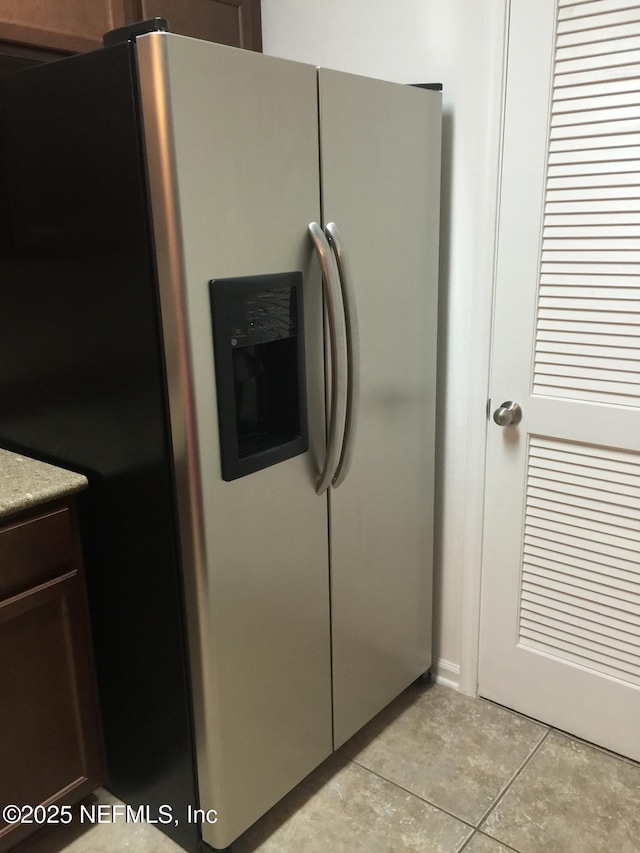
493	75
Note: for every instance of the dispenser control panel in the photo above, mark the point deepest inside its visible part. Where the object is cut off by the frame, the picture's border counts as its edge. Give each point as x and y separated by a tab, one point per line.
264	316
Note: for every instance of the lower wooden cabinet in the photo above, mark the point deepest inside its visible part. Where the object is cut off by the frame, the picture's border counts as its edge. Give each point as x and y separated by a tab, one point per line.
50	737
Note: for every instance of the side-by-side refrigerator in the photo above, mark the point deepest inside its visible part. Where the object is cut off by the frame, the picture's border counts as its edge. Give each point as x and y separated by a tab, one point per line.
218	299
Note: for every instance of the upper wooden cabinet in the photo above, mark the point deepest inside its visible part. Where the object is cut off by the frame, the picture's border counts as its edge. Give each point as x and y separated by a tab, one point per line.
62	26
233	22
46	28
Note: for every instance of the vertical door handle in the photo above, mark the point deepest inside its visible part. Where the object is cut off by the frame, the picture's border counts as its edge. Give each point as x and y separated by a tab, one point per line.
335	315
353	355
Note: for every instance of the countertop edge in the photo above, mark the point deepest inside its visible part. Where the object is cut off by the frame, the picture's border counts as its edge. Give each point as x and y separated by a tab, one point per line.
26	483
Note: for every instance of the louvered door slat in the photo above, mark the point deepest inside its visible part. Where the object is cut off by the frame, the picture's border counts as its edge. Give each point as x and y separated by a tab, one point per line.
549	268
560	531
612	396
573	564
588	115
592	549
579	302
581	626
602	143
625	611
629	179
568	92
583	98
566	523
566	479
582	490
585	168
579	8
595	374
584	56
594	155
617	512
562	239
578	288
593	193
609	617
581	343
578	576
576	218
580	555
583	67
608	664
626	320
593	208
606	472
601	648
569	37
590	285
587	17
561	362
604	392
581	460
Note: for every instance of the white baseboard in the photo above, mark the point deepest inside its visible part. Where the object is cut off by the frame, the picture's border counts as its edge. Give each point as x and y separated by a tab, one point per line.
445	672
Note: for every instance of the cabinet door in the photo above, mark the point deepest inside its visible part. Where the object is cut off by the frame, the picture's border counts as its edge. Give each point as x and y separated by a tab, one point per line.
49	750
70	27
33	29
233	22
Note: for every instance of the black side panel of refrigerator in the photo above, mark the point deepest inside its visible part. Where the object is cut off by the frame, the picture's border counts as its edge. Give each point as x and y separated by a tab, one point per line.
82	385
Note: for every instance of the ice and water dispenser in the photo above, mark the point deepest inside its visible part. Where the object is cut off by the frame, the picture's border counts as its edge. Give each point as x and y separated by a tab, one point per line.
258	333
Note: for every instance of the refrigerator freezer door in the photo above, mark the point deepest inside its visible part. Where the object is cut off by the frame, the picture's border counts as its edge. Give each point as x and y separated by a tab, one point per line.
380	154
232	145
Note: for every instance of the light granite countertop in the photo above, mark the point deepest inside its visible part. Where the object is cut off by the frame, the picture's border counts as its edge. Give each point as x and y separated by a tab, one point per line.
25	483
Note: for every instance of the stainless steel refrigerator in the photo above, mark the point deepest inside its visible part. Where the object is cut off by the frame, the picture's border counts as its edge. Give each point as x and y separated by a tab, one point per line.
259	558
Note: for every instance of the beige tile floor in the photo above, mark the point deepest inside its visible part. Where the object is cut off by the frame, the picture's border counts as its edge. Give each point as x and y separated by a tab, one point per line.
438	771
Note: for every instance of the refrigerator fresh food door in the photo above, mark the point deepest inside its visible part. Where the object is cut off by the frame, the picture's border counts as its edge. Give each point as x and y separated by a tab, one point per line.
232	146
380	155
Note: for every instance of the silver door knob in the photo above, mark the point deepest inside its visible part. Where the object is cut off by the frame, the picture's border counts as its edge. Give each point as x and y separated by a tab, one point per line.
509	414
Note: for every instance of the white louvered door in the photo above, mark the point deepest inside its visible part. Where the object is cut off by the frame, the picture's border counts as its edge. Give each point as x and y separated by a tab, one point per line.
560	630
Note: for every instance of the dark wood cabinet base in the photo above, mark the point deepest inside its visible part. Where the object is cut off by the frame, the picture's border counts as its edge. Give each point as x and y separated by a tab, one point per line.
50	737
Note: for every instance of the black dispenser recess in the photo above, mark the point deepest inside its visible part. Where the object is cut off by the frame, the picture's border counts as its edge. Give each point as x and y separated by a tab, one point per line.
258	334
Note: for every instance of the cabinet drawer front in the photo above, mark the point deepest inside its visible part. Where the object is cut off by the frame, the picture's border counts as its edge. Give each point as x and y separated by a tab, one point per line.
34	549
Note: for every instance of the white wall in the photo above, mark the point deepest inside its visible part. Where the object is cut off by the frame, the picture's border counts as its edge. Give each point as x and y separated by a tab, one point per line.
458	43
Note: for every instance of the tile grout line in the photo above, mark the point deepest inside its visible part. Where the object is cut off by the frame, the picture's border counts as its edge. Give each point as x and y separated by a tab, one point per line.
413	794
486	814
468	841
513	780
475	829
484	835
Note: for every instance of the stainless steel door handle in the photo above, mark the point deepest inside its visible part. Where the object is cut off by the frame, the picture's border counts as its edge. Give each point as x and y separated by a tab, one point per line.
337	346
509	414
353	355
